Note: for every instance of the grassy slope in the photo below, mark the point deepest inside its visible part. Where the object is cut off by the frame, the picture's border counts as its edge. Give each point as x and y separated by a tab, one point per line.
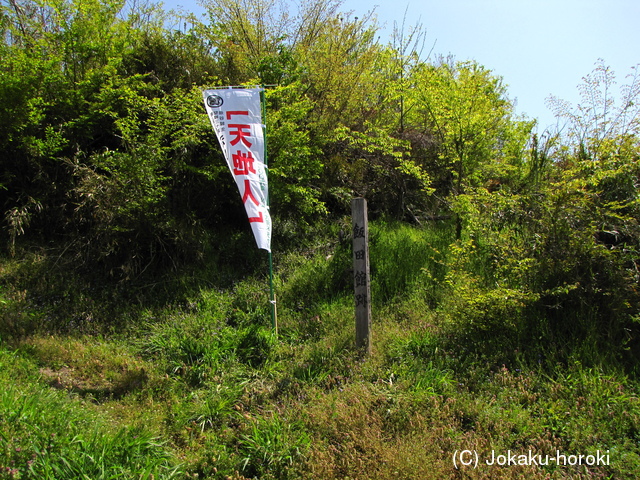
202	389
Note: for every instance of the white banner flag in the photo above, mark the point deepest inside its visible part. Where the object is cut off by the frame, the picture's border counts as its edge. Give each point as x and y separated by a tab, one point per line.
235	114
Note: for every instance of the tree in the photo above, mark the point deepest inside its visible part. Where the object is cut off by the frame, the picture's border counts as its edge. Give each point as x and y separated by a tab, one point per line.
559	261
99	130
598	118
295	162
249	36
406	49
466	107
339	69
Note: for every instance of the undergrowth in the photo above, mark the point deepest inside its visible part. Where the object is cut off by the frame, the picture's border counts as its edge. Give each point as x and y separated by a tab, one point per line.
199	386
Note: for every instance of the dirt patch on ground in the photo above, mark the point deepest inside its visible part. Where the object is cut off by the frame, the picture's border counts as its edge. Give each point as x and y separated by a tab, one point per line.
67	378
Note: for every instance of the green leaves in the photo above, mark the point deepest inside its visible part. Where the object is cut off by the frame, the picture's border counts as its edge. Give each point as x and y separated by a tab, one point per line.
377	165
295	163
565	252
122	154
466	107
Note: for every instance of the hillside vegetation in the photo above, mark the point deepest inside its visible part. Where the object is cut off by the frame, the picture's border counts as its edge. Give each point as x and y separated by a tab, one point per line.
135	329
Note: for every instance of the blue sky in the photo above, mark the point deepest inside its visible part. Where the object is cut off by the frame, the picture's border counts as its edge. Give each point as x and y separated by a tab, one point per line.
539	47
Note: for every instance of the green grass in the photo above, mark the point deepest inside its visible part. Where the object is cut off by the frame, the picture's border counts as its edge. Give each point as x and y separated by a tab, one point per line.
47	434
201	388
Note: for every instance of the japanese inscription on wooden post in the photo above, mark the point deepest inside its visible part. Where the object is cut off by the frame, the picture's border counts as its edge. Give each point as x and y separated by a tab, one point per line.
361	273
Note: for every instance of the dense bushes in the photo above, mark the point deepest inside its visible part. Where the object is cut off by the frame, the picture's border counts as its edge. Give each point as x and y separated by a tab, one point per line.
121	170
504	262
553	268
524	239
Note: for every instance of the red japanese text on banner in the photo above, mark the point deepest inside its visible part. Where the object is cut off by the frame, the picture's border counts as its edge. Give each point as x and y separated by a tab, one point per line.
235	114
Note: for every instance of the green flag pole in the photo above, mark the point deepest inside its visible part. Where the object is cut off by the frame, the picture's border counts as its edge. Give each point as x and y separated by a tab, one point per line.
272	295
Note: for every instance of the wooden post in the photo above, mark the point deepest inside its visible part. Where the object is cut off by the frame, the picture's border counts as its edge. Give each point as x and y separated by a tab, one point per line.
361	274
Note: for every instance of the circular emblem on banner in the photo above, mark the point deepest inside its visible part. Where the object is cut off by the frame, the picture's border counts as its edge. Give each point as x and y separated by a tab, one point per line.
214	101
